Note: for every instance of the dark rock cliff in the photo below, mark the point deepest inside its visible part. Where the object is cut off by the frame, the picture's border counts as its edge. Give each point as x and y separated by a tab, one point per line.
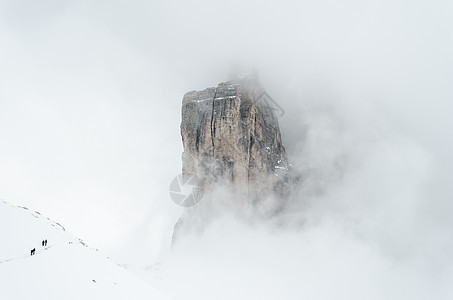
232	140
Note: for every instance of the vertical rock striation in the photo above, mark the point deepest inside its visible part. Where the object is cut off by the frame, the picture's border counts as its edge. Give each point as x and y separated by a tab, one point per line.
232	140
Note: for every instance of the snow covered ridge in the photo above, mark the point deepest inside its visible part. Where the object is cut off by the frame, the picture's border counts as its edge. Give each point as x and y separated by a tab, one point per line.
22	230
64	269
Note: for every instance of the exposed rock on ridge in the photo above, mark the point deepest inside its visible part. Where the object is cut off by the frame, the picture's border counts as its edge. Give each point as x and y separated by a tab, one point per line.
232	139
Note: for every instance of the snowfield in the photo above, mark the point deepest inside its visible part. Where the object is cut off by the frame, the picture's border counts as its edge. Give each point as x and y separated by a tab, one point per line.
64	269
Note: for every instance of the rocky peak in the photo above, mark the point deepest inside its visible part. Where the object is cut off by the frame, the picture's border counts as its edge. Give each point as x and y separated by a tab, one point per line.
231	138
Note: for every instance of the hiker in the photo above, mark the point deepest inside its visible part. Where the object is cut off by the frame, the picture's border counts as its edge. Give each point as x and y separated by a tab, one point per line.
45	243
32	252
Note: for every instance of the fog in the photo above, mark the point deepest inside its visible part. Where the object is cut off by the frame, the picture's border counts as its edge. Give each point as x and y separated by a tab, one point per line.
90	100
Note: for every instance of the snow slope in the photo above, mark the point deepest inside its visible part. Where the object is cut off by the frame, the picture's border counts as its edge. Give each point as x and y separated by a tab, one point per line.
65	269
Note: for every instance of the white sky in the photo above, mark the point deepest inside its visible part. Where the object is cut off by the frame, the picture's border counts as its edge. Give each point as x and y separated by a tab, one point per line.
90	95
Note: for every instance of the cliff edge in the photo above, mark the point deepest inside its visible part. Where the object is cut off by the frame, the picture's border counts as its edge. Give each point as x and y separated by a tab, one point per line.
232	143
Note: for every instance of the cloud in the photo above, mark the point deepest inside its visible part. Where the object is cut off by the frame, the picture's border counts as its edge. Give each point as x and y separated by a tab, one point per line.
89	133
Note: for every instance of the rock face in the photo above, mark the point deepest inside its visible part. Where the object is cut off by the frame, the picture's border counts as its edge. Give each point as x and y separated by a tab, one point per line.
232	140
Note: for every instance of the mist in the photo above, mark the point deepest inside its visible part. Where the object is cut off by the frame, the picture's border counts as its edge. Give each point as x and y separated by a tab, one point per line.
90	100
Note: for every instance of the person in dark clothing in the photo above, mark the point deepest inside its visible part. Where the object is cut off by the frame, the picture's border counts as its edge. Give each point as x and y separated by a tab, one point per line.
32	251
45	243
